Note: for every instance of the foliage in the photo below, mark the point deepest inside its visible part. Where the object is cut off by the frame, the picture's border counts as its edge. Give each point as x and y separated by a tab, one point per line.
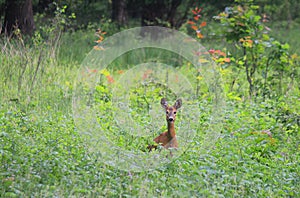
256	50
281	10
93	11
42	153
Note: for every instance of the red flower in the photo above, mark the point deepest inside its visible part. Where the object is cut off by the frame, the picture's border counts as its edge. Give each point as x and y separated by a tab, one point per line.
203	24
211	51
196	11
191	22
227	60
110	79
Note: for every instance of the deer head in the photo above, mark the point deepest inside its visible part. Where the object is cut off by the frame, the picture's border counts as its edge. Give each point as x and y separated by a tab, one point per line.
170	110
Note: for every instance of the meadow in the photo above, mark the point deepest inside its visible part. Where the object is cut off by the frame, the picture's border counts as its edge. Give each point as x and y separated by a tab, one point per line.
256	152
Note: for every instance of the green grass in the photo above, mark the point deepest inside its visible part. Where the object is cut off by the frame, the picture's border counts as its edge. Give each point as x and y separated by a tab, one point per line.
43	153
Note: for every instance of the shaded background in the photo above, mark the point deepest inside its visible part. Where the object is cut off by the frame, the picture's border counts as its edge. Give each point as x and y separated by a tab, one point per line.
128	13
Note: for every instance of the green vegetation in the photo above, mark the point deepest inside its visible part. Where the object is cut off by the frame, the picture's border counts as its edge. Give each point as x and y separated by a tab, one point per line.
42	153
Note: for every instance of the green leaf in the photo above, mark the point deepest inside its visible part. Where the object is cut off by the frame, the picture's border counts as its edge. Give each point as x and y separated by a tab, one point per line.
265	37
286	46
255	7
257	18
241	62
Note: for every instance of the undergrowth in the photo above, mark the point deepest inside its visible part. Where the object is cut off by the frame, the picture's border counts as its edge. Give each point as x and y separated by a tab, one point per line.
43	154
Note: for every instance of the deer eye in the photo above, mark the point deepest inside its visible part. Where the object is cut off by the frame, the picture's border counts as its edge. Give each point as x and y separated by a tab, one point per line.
167	112
174	112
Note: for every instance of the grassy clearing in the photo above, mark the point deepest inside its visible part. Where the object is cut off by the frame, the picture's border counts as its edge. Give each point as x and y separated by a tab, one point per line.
43	154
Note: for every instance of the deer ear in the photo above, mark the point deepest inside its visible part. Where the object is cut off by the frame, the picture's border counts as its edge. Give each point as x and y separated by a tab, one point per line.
164	103
178	104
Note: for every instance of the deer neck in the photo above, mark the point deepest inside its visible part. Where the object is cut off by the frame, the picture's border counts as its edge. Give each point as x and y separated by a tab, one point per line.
171	129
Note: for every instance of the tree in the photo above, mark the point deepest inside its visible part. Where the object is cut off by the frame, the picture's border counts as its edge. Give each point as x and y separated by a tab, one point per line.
19	14
157	12
119	11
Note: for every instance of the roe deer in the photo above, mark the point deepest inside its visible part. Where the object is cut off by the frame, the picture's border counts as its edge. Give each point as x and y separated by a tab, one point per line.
168	138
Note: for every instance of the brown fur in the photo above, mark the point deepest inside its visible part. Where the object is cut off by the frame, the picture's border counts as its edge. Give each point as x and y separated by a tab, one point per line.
168	138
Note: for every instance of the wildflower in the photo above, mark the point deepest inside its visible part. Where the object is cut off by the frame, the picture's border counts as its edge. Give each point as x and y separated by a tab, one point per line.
110	79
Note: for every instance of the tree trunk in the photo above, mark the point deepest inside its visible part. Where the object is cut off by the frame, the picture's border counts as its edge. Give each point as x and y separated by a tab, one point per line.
153	12
119	11
163	13
172	12
19	14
